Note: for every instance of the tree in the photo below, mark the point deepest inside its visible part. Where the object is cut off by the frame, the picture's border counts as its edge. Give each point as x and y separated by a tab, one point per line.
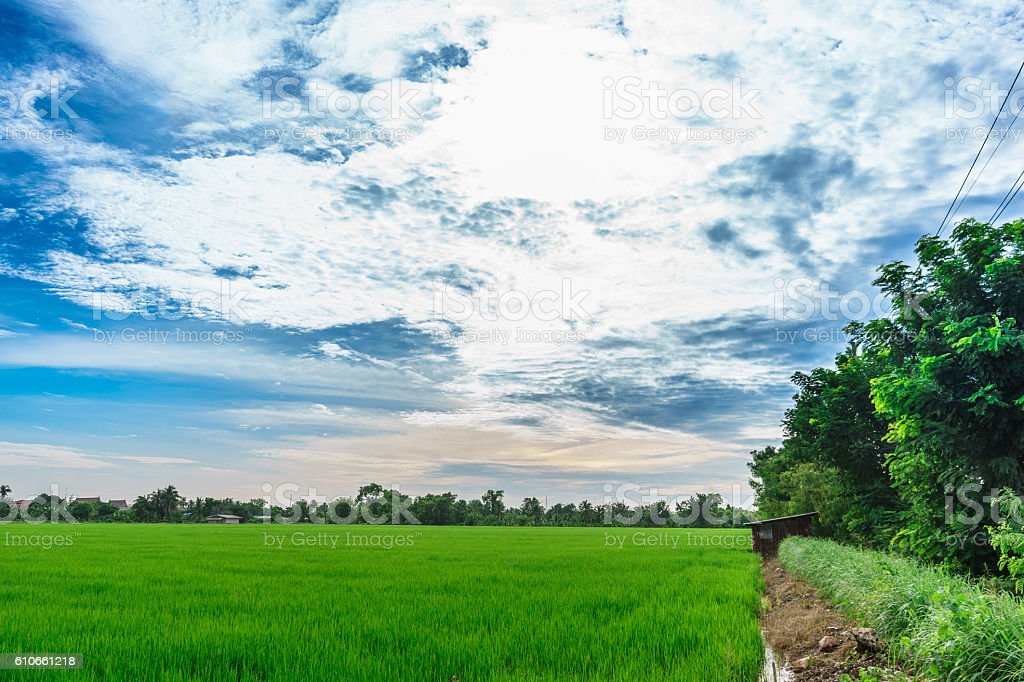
159	505
493	505
532	511
588	514
82	511
5	490
437	510
834	437
920	424
369	492
954	399
1008	537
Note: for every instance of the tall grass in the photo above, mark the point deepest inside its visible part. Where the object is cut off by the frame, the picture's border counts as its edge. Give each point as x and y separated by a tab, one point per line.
941	625
246	603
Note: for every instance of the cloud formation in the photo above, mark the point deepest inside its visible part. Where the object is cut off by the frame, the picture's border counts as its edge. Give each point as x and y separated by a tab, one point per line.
554	235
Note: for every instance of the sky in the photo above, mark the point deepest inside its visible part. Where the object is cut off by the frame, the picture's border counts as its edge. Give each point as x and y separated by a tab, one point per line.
558	249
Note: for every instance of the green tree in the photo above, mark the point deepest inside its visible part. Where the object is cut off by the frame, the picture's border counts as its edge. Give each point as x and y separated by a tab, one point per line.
954	399
437	510
833	457
493	504
1008	536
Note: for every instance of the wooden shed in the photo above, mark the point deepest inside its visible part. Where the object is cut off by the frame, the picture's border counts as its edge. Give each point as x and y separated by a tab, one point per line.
769	533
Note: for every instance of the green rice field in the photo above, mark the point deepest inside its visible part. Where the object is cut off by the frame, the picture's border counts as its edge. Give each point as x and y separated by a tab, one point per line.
308	602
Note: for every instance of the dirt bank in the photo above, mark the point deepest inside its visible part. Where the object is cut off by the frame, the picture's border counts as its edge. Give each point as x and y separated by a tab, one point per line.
809	636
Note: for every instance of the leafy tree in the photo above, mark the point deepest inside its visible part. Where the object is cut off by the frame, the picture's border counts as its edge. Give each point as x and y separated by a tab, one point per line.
437	510
1008	537
532	511
159	506
833	455
955	399
493	504
920	424
368	492
82	511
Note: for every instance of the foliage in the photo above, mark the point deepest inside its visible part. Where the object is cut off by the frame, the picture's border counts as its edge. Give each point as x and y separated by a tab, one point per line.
940	624
833	457
954	397
1008	537
908	439
160	505
376	505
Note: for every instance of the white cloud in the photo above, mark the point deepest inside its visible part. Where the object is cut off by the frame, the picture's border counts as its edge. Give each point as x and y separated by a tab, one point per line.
510	182
48	456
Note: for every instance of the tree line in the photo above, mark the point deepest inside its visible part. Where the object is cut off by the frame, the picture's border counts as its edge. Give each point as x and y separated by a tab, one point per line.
914	439
375	504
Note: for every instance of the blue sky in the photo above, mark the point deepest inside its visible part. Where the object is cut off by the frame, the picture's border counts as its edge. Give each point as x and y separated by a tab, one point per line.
527	246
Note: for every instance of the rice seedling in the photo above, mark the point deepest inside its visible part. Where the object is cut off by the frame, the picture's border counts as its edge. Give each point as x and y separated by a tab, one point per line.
247	603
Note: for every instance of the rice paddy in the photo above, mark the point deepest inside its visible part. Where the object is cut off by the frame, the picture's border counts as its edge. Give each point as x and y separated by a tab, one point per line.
255	602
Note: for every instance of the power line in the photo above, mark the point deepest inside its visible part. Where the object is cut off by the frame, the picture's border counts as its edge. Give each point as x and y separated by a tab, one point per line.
1011	194
1002	138
977	156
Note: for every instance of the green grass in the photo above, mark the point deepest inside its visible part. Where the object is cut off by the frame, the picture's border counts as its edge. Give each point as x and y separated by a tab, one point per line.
941	625
217	603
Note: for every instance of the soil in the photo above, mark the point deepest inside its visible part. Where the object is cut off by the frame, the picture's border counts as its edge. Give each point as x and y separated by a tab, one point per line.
796	623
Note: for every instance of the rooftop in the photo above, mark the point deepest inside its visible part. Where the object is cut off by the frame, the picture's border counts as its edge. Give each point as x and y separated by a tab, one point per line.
780	518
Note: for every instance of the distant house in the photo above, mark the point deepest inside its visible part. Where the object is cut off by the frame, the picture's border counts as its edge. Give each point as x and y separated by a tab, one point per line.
223	518
118	504
23	505
769	533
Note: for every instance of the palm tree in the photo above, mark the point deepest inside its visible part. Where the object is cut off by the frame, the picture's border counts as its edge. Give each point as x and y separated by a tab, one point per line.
5	490
586	512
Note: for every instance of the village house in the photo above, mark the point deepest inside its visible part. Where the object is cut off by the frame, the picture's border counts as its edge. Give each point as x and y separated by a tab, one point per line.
121	505
223	518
